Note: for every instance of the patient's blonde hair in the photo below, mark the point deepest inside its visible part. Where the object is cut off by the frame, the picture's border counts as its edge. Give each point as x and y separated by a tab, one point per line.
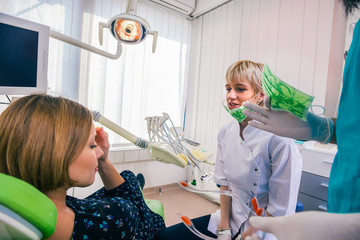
40	136
246	69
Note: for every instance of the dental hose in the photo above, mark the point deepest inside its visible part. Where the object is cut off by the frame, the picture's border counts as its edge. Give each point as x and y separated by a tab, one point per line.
142	143
189	224
221	192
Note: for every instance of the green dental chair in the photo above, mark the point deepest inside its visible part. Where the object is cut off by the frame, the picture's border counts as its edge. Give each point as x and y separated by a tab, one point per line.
26	213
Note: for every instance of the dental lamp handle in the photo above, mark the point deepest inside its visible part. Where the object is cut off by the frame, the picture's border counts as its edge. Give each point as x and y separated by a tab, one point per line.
77	43
155	35
119	130
101	30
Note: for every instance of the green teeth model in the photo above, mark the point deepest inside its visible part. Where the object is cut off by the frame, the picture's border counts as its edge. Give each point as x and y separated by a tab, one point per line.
284	96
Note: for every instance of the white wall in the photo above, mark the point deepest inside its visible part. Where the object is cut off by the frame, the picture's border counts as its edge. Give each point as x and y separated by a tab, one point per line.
299	40
4	100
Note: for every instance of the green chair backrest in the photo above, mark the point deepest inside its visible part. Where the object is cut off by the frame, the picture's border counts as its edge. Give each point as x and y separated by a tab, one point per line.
155	205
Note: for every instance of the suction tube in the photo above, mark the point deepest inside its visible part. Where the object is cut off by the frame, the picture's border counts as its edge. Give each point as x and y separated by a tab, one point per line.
142	143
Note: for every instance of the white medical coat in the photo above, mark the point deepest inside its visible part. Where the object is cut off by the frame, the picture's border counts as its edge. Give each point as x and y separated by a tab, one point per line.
263	165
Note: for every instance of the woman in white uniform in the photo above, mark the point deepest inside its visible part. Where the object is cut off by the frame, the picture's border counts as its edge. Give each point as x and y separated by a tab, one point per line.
251	162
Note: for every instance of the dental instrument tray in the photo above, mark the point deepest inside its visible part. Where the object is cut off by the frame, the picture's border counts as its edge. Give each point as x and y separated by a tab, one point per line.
166	145
163	145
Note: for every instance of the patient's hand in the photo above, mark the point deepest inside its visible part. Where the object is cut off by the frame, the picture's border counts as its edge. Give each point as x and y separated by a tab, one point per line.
102	141
108	173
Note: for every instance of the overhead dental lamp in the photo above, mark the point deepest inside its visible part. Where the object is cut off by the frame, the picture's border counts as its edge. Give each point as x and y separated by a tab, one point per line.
126	28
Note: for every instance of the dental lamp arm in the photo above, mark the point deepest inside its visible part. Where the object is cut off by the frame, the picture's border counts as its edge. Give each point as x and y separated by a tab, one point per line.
132	6
77	43
142	143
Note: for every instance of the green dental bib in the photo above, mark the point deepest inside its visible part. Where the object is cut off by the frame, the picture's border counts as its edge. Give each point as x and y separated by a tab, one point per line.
284	96
236	113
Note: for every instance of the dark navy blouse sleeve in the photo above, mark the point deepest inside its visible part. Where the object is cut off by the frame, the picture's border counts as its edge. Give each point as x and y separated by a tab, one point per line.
119	213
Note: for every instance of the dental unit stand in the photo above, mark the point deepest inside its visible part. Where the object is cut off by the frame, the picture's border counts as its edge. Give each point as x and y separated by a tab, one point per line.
166	146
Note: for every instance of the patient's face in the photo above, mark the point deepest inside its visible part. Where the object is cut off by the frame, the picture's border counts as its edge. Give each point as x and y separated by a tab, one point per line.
238	92
83	169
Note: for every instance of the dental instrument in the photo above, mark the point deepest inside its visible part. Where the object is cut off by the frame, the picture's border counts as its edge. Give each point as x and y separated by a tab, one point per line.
222	192
159	132
179	152
254	202
189	224
259	212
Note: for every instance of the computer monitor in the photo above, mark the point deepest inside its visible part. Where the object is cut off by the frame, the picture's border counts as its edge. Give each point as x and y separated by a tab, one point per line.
24	49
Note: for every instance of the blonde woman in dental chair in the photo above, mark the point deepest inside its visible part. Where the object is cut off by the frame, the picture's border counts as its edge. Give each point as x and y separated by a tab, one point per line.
51	143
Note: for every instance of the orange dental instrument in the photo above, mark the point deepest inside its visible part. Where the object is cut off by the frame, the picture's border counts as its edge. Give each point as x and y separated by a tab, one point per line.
189	224
258	211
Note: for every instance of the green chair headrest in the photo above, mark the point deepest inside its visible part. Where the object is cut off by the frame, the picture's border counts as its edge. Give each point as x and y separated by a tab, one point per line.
27	201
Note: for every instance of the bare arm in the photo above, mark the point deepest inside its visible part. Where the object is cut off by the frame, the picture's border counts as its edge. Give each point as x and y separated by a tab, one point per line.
225	208
109	175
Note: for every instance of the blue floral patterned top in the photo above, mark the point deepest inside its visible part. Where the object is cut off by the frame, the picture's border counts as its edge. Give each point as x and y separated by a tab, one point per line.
120	213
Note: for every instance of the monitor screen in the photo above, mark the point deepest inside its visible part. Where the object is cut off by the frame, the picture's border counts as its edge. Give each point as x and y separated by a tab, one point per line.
23	56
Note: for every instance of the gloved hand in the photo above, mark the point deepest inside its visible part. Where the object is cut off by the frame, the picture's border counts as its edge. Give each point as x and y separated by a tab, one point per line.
223	237
310	225
286	124
224	234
